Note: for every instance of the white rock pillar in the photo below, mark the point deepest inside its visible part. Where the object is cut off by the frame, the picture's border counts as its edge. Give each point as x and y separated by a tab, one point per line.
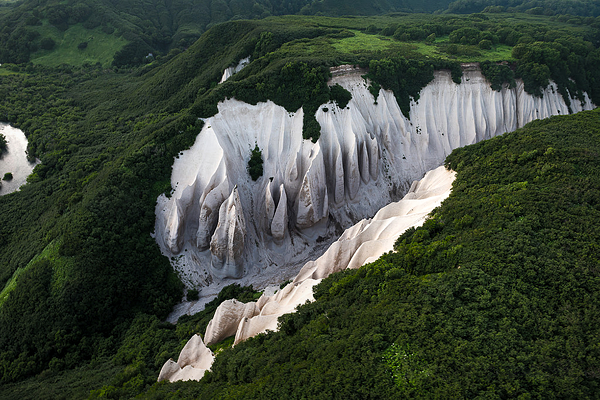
227	243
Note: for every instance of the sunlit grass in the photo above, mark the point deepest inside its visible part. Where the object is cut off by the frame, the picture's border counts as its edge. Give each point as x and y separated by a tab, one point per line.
60	264
101	46
500	52
365	42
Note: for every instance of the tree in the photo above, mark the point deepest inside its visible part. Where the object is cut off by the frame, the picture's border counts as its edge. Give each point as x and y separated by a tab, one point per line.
485	44
47	43
255	164
3	144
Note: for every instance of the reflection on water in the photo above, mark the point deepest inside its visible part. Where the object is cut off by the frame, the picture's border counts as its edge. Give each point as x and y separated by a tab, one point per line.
14	160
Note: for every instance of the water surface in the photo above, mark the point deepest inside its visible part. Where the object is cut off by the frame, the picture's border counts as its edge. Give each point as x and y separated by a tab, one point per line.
14	160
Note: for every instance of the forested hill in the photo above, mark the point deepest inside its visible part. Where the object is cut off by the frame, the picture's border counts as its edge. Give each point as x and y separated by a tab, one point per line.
157	26
497	295
84	288
137	28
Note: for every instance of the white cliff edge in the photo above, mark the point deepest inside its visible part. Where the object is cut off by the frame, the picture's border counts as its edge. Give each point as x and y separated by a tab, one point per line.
194	360
367	156
230	71
362	243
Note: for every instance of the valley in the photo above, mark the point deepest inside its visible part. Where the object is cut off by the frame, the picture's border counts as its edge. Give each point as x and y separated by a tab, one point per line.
203	178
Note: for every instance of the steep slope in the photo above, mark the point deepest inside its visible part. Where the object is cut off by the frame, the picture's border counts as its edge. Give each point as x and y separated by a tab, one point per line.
367	156
362	243
496	295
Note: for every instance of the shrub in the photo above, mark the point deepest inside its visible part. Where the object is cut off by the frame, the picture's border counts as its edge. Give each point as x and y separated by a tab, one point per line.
485	44
340	95
255	164
3	143
47	43
193	295
8	176
82	45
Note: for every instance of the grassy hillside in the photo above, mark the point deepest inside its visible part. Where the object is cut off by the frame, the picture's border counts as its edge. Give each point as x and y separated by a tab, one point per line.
157	27
100	47
82	278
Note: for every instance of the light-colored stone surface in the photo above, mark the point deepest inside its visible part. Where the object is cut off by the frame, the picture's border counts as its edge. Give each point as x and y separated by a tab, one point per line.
227	318
362	243
367	157
230	71
194	360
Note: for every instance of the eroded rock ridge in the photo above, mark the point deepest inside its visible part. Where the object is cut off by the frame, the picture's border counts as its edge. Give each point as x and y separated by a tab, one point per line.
220	225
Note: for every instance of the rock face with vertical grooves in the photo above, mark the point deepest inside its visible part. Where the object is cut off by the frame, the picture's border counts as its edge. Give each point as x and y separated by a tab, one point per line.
194	360
368	155
362	243
227	243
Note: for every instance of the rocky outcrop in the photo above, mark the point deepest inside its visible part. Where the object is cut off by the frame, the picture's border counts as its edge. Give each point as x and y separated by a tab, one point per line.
312	201
194	360
280	217
362	243
230	71
367	156
227	243
227	318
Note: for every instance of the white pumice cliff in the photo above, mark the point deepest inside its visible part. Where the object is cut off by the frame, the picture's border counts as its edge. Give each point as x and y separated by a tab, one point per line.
362	243
220	227
368	155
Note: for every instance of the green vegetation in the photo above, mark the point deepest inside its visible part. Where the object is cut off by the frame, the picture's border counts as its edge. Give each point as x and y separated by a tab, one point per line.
192	295
157	27
3	144
85	287
255	163
7	176
406	78
64	46
495	296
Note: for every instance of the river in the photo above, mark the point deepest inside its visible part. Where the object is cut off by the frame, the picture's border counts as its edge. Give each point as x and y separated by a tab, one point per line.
14	160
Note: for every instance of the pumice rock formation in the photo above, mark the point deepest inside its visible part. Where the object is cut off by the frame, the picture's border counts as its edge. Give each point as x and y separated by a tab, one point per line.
220	225
362	243
229	72
227	242
194	360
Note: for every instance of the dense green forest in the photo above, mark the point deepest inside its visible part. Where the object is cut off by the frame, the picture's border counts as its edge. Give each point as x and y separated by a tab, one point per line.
495	296
140	31
84	288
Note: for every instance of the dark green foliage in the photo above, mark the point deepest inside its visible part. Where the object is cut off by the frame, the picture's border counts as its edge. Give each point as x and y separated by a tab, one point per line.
82	45
132	54
583	8
7	176
107	141
3	144
255	163
498	287
485	44
340	95
106	267
498	74
465	35
149	343
47	43
159	27
407	77
192	295
568	61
